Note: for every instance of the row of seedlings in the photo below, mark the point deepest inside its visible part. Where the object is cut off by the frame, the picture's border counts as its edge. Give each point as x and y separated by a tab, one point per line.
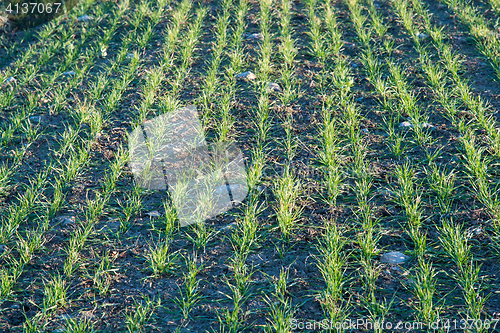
50	48
86	113
452	237
244	238
109	100
151	95
28	201
408	193
486	39
159	258
331	261
46	59
42	39
369	236
33	132
23	121
287	187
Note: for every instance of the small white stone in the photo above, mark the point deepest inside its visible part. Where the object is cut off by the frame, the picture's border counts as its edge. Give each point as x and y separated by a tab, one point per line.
365	131
39	119
396	269
273	86
228	227
84	18
406	124
246	76
10	79
256	36
422	35
130	55
65	220
427	125
69	73
394	258
154	213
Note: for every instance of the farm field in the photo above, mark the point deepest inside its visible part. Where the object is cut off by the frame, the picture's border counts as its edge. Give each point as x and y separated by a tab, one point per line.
371	143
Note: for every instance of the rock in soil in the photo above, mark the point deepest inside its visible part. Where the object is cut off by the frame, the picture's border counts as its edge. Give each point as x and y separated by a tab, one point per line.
406	124
69	73
429	126
154	213
39	119
246	76
84	18
65	220
10	79
256	36
229	227
394	258
273	86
